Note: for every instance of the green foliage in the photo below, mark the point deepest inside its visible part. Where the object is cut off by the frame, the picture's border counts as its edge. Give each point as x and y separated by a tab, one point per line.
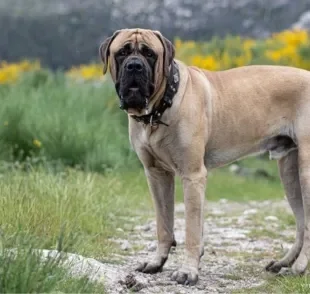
70	211
24	270
47	116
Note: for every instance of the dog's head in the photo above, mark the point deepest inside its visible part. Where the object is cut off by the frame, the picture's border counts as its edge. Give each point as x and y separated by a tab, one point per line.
139	62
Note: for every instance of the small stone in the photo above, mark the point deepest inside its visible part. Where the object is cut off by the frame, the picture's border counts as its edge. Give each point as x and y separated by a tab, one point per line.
250	211
200	287
241	219
120	230
217	212
271	218
234	235
151	246
156	289
223	201
180	207
125	246
152	283
234	168
146	228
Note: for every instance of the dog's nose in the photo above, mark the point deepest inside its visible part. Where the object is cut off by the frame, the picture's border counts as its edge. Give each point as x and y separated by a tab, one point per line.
134	65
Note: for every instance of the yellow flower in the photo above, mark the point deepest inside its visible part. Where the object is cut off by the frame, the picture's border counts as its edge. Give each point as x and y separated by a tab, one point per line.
294	37
86	72
10	72
274	55
37	143
177	43
248	44
288	47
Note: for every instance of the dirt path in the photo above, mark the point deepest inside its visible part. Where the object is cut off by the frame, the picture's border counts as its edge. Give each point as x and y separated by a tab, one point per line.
240	239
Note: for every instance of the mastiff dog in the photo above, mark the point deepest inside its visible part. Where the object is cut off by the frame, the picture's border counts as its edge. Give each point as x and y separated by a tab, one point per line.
185	121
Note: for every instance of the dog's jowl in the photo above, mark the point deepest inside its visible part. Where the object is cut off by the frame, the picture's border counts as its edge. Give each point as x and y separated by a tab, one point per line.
184	121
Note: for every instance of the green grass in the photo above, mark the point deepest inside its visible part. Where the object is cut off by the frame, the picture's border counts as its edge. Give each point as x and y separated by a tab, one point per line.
72	211
24	271
283	285
76	124
222	184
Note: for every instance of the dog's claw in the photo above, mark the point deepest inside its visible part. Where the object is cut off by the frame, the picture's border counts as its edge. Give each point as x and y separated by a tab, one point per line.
149	267
273	267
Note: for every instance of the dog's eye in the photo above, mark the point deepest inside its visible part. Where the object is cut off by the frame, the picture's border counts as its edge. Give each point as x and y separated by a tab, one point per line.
122	52
149	53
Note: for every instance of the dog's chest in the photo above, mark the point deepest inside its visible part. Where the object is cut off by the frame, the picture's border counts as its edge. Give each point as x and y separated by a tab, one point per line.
160	146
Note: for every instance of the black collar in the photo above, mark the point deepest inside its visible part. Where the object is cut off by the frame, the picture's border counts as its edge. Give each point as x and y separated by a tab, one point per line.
154	118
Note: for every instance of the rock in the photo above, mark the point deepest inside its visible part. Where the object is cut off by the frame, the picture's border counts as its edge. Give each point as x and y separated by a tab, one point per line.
200	287
180	237
242	219
125	246
303	22
179	208
271	218
234	168
156	290
144	228
235	235
151	246
247	172
250	211
217	212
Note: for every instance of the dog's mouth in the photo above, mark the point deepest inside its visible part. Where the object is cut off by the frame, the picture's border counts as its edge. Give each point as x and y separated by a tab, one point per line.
134	96
134	89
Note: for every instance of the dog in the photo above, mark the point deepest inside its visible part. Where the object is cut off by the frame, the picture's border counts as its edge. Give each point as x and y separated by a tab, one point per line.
185	121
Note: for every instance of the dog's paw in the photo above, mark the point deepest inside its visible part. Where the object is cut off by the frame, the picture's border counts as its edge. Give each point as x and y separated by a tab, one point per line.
300	265
186	276
273	266
151	267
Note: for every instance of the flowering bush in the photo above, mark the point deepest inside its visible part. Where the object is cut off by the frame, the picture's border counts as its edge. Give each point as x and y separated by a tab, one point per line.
10	72
86	72
285	48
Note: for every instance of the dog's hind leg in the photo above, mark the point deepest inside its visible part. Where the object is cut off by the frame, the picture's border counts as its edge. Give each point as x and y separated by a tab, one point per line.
288	168
300	265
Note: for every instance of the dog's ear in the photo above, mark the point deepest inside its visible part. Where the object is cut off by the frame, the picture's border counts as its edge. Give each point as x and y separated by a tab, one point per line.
104	50
169	52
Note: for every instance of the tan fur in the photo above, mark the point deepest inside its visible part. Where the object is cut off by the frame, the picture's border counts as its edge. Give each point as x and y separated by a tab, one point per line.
217	118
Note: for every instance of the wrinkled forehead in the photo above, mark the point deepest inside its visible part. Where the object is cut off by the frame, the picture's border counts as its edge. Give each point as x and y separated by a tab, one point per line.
137	37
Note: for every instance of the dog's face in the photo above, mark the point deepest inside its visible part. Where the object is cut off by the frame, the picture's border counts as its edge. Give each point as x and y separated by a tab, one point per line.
139	61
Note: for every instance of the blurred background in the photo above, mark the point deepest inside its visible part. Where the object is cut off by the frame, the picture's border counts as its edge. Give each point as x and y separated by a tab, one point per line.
62	33
57	107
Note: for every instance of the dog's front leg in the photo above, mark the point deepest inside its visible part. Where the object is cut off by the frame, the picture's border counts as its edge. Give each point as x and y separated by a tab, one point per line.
161	184
194	184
